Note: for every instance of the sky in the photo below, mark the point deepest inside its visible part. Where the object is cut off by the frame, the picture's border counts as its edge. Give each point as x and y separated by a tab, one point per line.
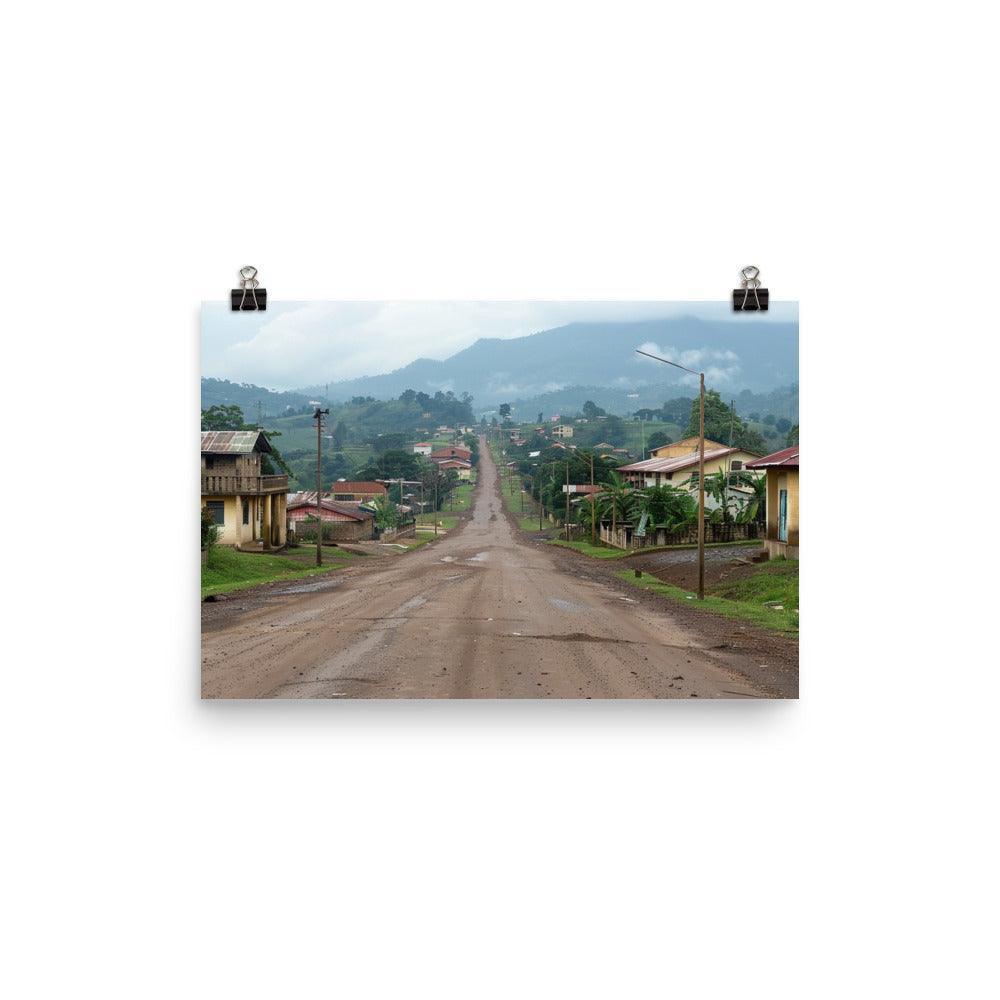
298	344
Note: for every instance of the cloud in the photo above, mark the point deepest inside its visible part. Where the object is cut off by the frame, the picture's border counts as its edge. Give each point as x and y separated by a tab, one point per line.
295	344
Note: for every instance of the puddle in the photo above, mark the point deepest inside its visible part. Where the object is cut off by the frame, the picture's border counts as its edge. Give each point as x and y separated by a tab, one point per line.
480	557
565	605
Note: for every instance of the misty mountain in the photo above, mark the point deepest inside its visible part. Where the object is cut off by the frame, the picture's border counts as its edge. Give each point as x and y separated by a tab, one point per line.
743	353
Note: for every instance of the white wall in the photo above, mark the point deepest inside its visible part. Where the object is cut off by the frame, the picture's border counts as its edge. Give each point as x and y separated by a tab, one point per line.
835	847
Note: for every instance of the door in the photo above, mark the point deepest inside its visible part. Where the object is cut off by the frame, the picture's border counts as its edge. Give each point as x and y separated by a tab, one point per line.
782	515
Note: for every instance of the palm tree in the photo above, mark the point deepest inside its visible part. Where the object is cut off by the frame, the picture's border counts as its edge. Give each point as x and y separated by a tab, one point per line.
670	506
619	497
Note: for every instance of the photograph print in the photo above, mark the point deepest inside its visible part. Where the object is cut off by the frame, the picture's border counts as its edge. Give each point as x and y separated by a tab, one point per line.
500	500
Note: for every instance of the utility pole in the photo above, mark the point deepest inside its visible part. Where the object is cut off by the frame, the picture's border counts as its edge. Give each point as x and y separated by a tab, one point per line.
435	503
318	417
701	466
593	504
701	487
567	499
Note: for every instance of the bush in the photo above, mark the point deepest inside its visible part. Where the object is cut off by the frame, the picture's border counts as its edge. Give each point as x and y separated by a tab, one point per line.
209	530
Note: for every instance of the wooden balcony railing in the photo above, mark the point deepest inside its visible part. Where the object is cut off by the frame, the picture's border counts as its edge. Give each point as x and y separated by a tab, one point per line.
228	485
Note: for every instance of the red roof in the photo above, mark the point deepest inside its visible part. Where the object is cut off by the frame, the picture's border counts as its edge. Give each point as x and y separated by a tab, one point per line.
787	458
352	486
308	499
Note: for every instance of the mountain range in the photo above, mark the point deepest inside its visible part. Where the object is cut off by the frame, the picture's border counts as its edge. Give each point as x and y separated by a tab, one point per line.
742	354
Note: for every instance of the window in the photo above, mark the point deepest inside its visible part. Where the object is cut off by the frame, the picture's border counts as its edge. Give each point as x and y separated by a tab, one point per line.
343	496
209	462
246	511
218	509
736	466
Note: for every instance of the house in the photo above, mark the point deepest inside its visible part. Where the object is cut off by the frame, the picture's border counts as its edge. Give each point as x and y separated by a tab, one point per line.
350	522
361	491
423	448
678	470
562	431
247	505
462	469
782	471
683	447
604	446
451	451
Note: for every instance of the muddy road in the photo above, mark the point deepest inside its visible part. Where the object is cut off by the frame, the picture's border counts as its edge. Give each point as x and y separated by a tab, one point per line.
481	613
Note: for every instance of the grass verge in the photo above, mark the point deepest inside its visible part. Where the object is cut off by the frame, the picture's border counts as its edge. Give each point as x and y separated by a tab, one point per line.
226	569
775	583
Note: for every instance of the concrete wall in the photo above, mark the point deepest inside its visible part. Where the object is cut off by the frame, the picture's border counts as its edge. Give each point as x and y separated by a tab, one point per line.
777	480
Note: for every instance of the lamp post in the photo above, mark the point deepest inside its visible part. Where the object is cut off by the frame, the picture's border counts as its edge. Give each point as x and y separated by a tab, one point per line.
701	466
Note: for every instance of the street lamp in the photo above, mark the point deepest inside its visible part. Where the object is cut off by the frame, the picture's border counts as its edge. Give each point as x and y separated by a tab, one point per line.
701	466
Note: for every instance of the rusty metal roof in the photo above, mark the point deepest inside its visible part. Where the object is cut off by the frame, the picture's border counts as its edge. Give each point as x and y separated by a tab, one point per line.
307	498
233	442
787	458
356	486
677	462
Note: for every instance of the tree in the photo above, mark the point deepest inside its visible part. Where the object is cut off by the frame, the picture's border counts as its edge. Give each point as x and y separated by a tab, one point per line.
505	411
793	437
721	421
670	506
223	418
540	417
657	440
783	425
614	430
618	497
591	410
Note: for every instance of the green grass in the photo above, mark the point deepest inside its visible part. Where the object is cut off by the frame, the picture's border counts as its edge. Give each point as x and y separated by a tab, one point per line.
444	521
777	582
226	569
597	551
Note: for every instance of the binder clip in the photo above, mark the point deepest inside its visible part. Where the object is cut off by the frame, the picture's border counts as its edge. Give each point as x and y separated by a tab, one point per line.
750	297
249	297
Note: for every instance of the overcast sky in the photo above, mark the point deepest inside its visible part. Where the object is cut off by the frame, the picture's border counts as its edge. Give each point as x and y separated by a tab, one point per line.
295	344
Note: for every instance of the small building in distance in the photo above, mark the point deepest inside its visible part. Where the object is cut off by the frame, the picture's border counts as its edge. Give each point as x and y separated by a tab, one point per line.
423	448
562	431
458	451
247	505
462	469
349	522
357	491
782	470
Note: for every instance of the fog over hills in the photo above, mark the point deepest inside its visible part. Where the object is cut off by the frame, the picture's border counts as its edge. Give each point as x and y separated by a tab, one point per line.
743	353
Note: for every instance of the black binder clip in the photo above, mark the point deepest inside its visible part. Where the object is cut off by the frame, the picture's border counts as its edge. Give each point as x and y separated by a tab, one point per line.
750	297
249	298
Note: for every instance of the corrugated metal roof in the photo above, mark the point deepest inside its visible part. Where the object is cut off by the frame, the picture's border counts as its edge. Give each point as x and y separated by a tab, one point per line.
356	486
307	498
787	458
676	463
233	442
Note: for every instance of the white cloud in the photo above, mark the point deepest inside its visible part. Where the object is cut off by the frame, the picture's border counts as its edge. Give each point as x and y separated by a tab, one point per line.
298	344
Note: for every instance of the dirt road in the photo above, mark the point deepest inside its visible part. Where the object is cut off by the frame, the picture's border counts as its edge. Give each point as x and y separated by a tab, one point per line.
480	613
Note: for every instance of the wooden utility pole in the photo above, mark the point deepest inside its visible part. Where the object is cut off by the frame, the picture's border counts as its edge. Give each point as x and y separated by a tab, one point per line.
593	504
567	499
701	488
318	417
701	465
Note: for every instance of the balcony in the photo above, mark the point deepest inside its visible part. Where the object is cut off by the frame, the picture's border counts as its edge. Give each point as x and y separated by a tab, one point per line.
222	484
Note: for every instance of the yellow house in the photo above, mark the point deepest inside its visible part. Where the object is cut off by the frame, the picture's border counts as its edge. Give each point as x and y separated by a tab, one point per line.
562	431
248	507
782	470
676	468
684	447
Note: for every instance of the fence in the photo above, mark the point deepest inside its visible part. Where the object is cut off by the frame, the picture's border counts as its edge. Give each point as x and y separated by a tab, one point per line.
406	530
624	536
